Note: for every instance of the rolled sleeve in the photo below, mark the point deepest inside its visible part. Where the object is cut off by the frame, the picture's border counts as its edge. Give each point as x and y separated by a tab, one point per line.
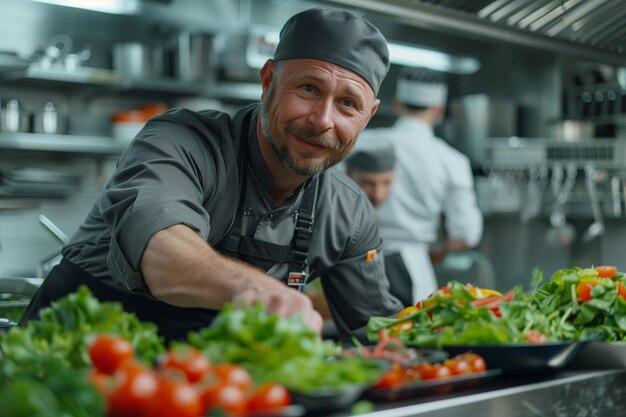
162	180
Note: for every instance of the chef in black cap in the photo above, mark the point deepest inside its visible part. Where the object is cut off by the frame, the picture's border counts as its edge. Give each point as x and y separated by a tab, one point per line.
206	208
371	164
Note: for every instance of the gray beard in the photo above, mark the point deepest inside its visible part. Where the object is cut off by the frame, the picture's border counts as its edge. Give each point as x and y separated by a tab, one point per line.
282	152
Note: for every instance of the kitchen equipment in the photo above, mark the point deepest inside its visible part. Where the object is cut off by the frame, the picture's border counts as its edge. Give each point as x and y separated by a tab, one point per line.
136	61
572	130
49	120
616	196
561	233
596	228
13	118
194	56
10	62
46	265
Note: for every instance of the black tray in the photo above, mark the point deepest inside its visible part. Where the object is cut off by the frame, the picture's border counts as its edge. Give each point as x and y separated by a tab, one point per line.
328	400
601	355
429	387
523	357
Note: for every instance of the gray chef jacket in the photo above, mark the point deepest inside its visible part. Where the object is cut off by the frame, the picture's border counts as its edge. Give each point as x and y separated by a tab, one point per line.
183	168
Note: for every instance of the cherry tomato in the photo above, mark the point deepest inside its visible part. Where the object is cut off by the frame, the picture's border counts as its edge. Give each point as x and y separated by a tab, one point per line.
174	398
606	271
433	371
442	371
232	374
188	359
136	386
584	290
391	378
476	362
108	352
621	290
535	336
229	398
267	397
458	366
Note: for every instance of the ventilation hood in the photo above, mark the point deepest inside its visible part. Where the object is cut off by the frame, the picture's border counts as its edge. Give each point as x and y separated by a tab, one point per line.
587	29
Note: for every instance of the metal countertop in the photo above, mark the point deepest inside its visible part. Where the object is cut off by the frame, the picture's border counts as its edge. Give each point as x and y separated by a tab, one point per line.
586	393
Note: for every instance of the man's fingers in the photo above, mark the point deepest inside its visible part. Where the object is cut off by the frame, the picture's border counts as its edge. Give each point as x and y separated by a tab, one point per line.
284	302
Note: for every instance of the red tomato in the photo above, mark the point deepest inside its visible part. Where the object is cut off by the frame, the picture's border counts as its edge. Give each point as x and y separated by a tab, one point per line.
188	359
621	290
458	366
232	374
108	352
229	398
442	371
136	386
606	271
584	290
267	397
433	371
175	399
476	362
535	336
391	378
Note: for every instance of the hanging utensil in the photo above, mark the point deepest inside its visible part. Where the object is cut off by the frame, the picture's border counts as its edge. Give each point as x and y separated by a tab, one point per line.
596	228
562	233
616	196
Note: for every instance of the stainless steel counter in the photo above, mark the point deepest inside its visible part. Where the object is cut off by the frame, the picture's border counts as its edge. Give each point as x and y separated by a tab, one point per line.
588	393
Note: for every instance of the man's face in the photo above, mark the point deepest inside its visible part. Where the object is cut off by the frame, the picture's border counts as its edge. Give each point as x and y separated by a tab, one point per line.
375	185
312	112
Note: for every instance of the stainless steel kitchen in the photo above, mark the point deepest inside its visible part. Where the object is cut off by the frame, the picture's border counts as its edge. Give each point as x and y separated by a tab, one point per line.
536	103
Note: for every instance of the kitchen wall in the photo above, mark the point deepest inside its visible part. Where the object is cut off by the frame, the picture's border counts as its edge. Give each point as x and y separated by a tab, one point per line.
27	28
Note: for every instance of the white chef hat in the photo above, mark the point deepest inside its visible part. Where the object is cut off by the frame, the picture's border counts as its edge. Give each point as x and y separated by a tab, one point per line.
421	87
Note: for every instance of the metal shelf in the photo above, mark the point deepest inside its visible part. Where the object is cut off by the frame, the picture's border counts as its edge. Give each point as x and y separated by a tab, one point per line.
61	143
99	77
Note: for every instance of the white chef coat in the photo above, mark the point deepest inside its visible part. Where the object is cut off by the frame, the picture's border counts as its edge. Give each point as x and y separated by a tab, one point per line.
431	178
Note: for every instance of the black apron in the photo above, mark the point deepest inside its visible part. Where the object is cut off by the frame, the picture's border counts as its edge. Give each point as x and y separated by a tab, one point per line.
400	283
175	322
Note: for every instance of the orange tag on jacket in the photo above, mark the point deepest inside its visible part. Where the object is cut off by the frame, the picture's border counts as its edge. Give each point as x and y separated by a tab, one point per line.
371	255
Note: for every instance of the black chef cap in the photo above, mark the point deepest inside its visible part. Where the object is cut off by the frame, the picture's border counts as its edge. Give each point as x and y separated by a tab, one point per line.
339	37
371	155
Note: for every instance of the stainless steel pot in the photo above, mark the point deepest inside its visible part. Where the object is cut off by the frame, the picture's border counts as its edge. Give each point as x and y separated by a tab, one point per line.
136	61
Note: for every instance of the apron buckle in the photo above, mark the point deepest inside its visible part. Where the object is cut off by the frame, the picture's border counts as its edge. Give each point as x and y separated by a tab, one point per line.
297	279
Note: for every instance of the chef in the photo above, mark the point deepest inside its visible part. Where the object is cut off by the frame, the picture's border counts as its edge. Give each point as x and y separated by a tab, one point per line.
431	179
205	208
371	164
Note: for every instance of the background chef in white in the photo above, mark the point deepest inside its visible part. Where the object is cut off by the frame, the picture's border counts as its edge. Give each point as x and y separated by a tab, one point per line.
431	179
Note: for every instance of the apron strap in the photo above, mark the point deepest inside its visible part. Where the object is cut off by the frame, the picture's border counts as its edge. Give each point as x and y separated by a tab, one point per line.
305	220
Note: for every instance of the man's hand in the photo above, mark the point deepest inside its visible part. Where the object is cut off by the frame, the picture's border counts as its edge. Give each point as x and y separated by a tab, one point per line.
283	301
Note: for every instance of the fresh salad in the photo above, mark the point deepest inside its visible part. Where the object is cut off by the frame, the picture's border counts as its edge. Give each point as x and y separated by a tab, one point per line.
577	303
462	314
583	303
